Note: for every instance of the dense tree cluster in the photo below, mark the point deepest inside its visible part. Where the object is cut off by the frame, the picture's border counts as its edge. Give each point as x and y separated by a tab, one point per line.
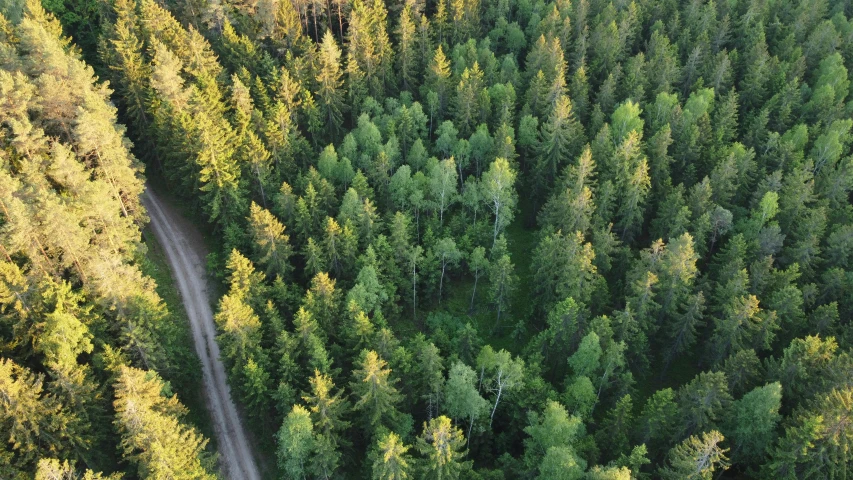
458	239
76	310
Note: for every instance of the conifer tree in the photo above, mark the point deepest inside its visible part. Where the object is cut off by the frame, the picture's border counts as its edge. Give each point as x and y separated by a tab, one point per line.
696	457
438	78
153	436
468	102
372	385
407	55
329	83
35	424
272	245
52	469
560	140
441	443
391	461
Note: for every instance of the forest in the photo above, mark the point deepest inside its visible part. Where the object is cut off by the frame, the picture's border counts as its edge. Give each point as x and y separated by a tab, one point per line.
451	239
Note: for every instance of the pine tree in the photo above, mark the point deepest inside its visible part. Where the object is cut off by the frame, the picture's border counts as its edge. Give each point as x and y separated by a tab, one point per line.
327	408
272	245
702	402
329	83
438	78
153	436
372	385
210	150
407	55
563	268
52	469
442	445
571	207
754	421
35	423
391	461
560	140
633	181
815	444
615	430
696	458
251	153
467	104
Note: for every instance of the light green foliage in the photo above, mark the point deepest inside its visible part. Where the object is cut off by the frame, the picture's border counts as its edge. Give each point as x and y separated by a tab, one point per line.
498	186
153	437
587	359
550	446
754	421
461	397
51	469
296	443
696	458
443	182
499	373
272	245
581	396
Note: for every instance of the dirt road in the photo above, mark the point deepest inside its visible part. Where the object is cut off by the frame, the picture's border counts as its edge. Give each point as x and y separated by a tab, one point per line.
186	258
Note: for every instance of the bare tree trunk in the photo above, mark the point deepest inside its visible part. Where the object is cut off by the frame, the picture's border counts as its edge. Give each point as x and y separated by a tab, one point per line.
495	235
474	293
497	400
340	23
470	427
414	295
441	282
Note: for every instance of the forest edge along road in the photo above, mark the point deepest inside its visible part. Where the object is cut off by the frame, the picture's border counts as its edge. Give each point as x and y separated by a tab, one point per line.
188	269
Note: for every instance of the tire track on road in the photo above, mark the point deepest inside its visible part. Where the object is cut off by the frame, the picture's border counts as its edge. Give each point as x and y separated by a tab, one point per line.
188	269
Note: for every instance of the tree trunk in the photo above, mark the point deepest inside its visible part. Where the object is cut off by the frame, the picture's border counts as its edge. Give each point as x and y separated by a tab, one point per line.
470	427
474	293
441	282
495	235
414	295
340	23
497	400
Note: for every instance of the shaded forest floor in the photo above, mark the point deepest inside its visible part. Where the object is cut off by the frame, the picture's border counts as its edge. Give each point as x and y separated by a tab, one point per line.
514	329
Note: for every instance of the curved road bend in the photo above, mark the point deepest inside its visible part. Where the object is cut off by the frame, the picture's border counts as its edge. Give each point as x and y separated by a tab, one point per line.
188	268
